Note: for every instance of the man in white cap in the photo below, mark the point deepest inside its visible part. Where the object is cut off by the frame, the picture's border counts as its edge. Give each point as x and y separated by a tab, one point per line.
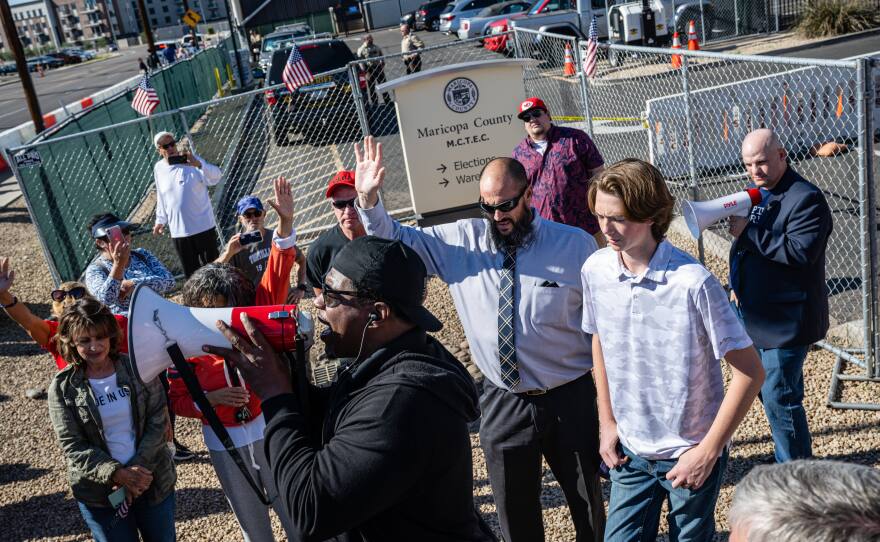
183	203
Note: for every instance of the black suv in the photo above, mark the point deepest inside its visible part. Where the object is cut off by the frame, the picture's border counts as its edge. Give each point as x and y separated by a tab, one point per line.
322	110
428	15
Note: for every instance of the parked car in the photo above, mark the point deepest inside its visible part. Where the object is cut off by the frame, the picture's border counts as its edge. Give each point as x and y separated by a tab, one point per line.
83	54
279	38
66	58
112	47
501	43
45	61
479	25
428	15
321	110
409	19
453	13
7	68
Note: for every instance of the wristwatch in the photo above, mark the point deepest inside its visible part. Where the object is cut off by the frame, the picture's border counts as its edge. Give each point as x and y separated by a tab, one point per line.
14	303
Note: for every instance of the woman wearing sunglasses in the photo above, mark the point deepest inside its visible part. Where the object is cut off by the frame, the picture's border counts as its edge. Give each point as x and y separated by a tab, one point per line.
119	268
111	428
42	331
218	285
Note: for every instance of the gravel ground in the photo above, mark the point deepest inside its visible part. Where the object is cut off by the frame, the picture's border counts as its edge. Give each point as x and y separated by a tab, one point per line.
35	502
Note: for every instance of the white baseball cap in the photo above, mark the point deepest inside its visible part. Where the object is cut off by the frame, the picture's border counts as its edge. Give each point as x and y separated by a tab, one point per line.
159	136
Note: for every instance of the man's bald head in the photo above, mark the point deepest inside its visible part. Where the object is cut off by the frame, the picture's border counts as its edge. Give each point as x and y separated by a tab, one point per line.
764	157
503	173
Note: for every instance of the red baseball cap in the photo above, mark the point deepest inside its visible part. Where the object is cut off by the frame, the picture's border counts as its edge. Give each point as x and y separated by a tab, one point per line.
531	103
342	178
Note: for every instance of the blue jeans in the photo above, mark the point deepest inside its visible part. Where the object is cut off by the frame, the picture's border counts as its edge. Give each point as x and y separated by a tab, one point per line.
638	489
155	523
783	398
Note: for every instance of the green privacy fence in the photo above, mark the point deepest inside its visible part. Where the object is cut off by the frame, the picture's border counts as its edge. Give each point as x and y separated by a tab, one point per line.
183	83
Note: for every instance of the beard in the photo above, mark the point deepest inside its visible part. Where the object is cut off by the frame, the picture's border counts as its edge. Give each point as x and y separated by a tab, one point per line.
520	235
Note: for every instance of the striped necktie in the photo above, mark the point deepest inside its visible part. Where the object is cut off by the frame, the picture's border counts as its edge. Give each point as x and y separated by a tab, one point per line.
506	312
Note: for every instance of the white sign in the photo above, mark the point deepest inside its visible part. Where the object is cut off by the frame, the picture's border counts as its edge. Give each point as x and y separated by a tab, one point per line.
28	158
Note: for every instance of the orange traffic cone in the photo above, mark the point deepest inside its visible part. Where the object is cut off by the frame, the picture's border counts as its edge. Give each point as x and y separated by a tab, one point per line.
676	44
693	42
568	67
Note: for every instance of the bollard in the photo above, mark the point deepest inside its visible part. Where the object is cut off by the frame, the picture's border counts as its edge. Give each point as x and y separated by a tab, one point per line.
219	82
229	75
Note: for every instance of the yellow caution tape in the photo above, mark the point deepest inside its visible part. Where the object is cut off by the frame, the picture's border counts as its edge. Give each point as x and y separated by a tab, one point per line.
606	119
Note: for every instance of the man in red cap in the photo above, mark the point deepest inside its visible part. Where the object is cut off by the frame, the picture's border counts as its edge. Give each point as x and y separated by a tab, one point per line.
560	163
341	194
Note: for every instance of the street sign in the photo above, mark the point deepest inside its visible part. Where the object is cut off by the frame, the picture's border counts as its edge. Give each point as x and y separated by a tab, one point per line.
28	158
191	18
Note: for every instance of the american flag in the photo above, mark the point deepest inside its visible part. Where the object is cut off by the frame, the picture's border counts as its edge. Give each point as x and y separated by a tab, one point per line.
592	47
296	73
145	98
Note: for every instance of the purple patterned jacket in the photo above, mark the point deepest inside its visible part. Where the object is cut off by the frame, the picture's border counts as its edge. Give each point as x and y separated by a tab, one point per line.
560	178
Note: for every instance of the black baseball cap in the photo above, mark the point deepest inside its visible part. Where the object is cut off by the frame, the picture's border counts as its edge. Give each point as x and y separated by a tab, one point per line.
107	221
393	272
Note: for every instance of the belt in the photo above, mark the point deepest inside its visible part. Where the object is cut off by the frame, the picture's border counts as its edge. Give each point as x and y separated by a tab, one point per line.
533	392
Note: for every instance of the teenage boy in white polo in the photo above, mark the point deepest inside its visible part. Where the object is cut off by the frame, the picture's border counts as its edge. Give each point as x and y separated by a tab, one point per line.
660	324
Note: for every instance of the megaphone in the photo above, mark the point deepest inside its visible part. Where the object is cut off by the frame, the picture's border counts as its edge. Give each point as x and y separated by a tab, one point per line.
698	215
154	323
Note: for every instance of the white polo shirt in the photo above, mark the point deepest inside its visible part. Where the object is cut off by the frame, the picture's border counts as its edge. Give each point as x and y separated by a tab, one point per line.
662	334
182	199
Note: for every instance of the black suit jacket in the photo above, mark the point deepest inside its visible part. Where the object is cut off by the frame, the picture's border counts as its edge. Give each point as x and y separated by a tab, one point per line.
779	275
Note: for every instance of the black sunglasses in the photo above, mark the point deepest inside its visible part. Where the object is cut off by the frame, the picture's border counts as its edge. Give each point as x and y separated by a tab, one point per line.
504	206
76	293
252	214
531	114
333	298
167	145
343	203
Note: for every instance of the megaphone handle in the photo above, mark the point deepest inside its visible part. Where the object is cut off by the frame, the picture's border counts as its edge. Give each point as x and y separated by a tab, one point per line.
201	400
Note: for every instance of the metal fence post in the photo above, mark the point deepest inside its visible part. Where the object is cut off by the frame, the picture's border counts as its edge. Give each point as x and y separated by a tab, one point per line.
868	222
185	126
585	91
695	188
356	95
703	23
517	47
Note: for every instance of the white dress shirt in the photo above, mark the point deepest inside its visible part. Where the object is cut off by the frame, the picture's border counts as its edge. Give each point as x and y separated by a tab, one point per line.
182	199
551	349
663	333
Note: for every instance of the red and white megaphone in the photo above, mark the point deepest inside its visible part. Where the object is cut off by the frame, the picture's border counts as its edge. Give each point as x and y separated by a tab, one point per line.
698	215
154	322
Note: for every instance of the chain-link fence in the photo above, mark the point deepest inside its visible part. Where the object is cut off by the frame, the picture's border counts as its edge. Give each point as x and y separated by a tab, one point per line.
686	113
689	113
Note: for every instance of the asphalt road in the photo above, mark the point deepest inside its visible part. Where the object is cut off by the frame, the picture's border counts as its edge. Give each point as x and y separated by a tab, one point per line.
65	85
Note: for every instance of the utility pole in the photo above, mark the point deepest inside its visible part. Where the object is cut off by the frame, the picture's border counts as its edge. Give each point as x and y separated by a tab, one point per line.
27	85
233	30
148	30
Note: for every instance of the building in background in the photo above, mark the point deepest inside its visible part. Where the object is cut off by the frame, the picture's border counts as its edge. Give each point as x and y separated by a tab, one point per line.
36	23
164	14
86	22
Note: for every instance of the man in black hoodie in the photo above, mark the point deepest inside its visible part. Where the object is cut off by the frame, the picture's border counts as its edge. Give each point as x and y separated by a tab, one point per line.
393	458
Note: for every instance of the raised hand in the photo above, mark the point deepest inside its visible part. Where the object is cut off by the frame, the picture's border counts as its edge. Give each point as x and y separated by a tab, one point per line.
283	205
7	276
369	173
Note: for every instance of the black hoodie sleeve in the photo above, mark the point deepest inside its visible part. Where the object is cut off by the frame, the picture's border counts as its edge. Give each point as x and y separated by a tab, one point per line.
384	438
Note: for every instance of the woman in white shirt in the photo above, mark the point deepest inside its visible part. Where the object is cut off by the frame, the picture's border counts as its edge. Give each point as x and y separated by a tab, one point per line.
112	430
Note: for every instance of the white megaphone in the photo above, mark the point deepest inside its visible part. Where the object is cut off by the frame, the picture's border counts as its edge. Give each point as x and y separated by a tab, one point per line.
700	214
154	323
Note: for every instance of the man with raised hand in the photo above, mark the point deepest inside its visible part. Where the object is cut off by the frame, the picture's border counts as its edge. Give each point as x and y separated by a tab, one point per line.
538	397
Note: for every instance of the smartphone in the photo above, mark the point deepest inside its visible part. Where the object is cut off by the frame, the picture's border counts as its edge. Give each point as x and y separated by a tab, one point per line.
177	159
117	497
250	238
115	235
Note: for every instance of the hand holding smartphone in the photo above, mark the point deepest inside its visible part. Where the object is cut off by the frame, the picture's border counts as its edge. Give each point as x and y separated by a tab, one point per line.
115	235
250	238
177	159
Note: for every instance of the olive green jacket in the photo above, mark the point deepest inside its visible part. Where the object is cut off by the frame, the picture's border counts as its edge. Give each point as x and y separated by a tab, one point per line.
77	424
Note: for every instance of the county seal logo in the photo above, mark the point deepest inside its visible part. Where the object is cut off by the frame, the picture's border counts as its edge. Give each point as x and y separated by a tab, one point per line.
461	95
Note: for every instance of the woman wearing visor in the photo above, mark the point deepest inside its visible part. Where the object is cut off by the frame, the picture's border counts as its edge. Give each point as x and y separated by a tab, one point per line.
111	278
42	331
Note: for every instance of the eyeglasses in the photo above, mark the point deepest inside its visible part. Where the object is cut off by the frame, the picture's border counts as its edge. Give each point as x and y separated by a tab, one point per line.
531	114
343	203
333	298
504	206
252	214
167	146
76	293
